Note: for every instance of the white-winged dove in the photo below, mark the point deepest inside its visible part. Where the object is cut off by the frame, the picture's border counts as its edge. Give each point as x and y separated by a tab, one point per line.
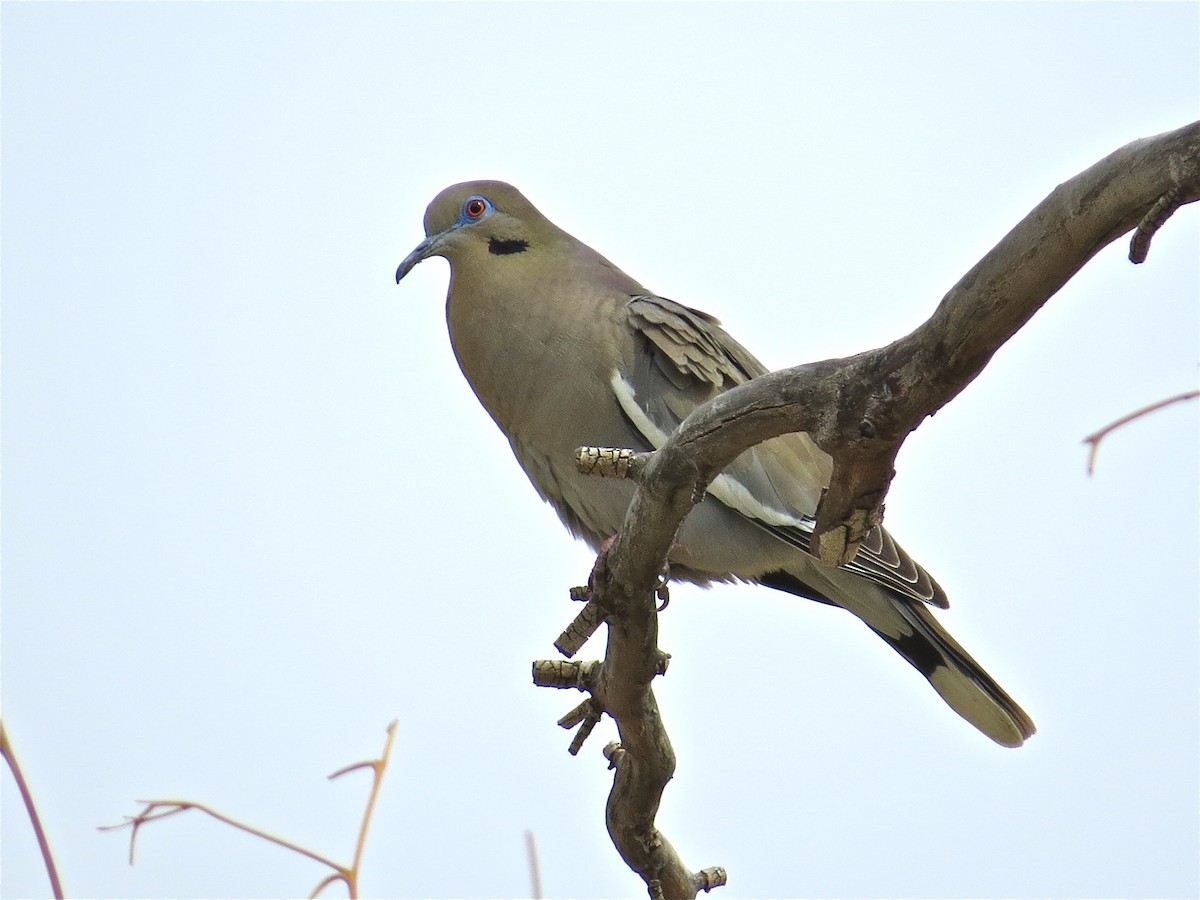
565	350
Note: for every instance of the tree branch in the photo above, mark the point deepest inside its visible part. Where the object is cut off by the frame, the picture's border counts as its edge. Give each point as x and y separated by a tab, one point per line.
859	410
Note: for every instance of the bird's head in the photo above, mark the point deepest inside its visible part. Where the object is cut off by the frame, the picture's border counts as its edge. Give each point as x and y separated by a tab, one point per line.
477	217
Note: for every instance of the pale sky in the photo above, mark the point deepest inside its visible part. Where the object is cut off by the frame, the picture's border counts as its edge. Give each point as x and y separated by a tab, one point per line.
252	512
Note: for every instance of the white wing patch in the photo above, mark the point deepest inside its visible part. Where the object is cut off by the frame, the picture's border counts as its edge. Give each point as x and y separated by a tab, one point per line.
724	487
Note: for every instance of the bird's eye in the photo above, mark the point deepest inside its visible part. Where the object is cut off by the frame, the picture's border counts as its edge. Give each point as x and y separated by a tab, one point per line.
474	208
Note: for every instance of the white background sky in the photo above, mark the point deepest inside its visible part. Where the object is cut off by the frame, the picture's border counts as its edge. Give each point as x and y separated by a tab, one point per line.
252	512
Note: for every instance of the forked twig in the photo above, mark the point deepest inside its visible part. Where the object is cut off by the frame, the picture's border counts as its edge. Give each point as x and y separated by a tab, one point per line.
377	767
160	809
1095	437
153	810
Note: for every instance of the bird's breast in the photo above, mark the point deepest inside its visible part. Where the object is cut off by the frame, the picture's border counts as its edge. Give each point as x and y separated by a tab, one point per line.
545	380
536	363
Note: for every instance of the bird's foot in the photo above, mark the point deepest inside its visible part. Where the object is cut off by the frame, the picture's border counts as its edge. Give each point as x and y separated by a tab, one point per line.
599	574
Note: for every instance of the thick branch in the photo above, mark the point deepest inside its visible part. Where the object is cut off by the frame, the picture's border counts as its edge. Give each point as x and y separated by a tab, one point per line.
859	410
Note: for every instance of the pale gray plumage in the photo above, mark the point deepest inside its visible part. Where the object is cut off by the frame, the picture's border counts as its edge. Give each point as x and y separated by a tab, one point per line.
565	350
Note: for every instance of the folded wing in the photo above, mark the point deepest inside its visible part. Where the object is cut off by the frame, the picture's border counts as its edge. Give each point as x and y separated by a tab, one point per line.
684	359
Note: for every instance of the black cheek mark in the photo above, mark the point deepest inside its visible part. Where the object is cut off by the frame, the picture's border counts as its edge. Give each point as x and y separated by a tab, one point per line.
497	247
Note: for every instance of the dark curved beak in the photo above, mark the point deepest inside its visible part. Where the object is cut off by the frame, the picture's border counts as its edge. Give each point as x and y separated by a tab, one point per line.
423	250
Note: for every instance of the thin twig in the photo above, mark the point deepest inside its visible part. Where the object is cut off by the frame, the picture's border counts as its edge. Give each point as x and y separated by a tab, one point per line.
161	809
377	767
31	809
327	881
1095	437
535	877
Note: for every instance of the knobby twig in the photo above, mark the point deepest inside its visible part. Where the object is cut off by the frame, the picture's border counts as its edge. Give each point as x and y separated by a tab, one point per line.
859	410
1096	437
620	685
35	820
584	625
153	810
1139	247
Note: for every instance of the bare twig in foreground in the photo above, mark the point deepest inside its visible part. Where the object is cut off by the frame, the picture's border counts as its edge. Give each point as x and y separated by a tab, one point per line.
154	810
31	808
535	876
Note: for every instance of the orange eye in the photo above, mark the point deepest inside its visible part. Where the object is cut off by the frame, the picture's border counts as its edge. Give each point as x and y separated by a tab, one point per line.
475	208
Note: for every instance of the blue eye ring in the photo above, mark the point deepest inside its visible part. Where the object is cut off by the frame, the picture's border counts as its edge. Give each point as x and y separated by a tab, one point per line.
474	209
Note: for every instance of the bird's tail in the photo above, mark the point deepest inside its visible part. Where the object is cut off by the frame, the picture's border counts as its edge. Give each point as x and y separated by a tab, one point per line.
911	629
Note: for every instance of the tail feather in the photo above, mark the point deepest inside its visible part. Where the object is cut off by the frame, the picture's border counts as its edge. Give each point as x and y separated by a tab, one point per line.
913	632
910	628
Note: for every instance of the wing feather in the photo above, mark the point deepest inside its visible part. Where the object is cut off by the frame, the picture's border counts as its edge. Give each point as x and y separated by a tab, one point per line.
686	359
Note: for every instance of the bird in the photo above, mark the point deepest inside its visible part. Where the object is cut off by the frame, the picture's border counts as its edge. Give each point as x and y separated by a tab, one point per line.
565	350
